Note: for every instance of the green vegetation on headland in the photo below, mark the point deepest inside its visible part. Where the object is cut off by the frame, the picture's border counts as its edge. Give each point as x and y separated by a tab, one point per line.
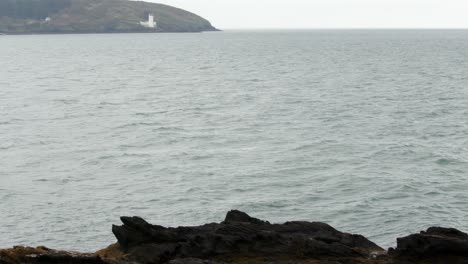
94	16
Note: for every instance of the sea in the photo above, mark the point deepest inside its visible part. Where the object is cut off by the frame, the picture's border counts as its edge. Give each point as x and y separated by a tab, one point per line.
366	130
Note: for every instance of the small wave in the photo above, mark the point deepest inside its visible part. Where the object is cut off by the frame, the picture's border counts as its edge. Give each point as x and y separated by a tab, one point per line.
201	157
148	113
53	90
41	180
125	155
163	128
106	157
444	161
447	99
193	190
6	196
136	124
136	146
138	155
241	190
408	188
182	199
450	160
6	147
432	193
139	208
204	108
66	101
108	103
304	147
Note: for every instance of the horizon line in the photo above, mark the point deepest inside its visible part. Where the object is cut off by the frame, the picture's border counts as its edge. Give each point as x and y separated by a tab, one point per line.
347	28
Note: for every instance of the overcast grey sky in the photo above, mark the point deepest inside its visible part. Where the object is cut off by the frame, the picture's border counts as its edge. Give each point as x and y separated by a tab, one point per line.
238	14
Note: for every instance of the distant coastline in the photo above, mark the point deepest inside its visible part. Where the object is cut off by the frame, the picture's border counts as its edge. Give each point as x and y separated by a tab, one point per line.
100	16
103	33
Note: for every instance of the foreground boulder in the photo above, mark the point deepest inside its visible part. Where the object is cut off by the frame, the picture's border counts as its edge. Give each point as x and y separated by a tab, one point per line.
239	235
436	241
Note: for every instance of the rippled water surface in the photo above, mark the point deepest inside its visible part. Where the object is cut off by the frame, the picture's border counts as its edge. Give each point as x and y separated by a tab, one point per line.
365	130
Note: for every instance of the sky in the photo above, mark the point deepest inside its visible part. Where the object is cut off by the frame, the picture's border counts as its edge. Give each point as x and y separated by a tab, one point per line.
300	14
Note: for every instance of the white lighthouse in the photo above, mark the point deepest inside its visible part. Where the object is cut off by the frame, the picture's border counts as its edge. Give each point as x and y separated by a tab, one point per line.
150	23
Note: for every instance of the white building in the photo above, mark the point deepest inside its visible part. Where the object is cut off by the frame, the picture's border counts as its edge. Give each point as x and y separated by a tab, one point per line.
150	23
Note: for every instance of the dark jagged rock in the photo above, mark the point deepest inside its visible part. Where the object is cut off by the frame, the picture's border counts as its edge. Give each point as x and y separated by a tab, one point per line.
235	216
238	235
436	241
242	239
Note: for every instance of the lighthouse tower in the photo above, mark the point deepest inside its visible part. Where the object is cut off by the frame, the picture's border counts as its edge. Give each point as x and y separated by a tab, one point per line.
150	23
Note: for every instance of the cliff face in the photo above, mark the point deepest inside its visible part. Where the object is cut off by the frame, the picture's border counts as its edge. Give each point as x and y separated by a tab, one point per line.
94	16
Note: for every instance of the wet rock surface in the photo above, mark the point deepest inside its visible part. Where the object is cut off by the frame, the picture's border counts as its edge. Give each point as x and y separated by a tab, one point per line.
43	255
241	238
436	241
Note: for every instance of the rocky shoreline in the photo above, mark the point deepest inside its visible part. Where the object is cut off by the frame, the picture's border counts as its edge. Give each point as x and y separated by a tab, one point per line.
244	239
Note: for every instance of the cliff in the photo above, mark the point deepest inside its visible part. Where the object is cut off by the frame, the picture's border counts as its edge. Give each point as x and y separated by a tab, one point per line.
244	239
94	16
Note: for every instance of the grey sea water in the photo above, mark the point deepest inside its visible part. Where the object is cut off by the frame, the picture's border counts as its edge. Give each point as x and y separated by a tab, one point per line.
365	130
